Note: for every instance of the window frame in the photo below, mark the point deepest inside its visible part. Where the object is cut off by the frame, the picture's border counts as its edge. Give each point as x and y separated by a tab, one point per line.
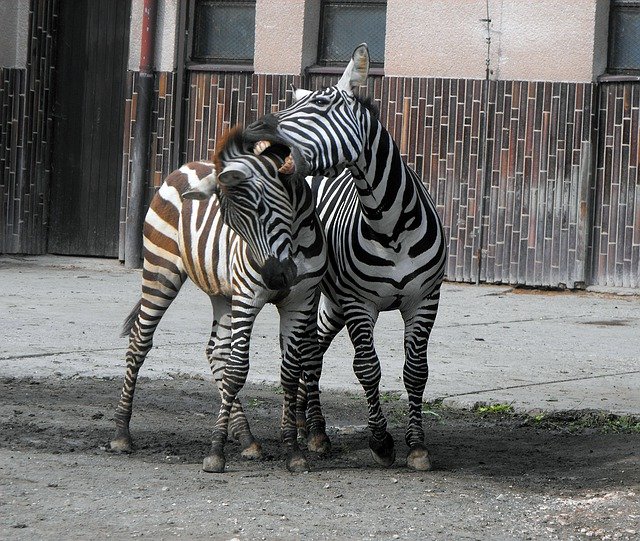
614	73
332	67
198	64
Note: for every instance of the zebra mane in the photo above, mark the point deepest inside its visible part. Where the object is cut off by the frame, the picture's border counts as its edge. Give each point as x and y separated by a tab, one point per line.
368	103
230	144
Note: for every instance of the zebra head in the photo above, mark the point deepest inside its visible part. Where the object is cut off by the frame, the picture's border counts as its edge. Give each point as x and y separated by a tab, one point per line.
324	125
255	200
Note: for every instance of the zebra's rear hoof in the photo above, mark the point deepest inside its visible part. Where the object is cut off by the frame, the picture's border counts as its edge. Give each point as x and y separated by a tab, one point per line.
253	451
318	442
418	458
297	463
214	463
383	451
121	444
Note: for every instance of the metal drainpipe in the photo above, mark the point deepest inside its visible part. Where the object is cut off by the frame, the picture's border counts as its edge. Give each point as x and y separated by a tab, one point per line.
141	137
484	136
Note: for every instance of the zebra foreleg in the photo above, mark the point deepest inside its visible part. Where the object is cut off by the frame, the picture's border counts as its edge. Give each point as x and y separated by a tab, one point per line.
301	355
366	366
415	374
233	379
330	323
218	351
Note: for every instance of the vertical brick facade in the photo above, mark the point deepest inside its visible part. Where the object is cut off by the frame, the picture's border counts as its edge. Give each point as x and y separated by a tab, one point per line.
615	245
562	193
539	151
25	132
163	147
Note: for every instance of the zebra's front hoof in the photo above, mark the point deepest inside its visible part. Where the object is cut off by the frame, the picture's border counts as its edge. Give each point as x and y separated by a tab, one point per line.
297	463
318	442
253	451
214	463
418	458
121	444
383	451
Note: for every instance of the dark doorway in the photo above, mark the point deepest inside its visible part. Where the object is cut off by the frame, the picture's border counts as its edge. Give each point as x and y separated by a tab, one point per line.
91	66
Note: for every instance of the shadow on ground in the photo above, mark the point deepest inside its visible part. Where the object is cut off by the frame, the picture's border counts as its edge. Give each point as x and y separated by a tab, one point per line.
172	421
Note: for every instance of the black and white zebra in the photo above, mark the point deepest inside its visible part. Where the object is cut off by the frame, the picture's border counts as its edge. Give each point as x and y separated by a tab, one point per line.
386	243
247	236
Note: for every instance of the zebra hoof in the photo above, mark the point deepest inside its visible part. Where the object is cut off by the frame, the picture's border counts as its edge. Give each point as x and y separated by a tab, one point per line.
253	451
383	451
214	463
121	445
418	458
297	463
318	442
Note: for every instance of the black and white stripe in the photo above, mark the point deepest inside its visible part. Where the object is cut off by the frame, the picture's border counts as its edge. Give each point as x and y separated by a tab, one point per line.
386	243
246	235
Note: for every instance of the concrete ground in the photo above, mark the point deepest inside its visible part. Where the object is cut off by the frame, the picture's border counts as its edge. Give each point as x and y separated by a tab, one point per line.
536	350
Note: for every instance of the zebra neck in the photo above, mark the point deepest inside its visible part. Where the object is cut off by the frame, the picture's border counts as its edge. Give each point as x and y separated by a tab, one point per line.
391	195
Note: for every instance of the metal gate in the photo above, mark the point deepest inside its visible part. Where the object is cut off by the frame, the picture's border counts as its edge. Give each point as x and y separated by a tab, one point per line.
92	52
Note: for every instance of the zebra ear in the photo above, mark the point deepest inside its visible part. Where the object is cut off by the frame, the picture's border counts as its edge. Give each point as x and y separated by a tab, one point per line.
357	70
205	189
299	93
233	174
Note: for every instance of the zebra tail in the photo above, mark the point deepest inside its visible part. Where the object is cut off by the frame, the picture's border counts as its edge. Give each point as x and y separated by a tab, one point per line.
131	318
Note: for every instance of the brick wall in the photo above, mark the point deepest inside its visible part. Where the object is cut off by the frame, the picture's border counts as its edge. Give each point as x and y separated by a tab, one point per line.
162	157
615	244
25	135
547	217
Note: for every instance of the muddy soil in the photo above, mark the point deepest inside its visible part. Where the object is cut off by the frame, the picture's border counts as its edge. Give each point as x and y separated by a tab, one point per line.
495	476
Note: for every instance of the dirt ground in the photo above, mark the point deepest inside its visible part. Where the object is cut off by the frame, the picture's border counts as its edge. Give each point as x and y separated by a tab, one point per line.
496	476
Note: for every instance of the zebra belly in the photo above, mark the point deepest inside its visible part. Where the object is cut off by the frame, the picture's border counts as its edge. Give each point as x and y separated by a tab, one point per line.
386	278
389	292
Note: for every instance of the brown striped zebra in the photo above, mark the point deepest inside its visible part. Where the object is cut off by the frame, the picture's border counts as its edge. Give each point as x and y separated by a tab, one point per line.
246	236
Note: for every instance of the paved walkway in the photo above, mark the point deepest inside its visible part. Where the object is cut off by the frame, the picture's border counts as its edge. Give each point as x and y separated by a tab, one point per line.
61	316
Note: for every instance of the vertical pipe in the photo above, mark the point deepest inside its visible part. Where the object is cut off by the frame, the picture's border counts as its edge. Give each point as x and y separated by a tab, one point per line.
141	137
484	134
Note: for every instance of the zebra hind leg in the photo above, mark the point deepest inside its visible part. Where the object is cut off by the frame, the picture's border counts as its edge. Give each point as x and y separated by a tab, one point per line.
415	374
140	325
136	353
366	367
218	351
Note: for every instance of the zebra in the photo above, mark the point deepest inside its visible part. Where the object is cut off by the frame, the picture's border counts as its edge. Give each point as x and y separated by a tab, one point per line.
245	231
386	243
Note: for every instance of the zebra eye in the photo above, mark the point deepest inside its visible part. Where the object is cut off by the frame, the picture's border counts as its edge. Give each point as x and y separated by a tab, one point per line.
320	100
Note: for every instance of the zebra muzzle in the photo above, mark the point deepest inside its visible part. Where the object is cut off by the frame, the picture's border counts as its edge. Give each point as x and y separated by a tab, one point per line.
278	275
264	137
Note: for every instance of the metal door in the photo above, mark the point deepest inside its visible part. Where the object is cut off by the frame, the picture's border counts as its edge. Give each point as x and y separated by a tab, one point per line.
92	51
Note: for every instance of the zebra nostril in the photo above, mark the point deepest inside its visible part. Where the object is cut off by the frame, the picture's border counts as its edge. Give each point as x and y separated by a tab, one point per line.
278	275
268	121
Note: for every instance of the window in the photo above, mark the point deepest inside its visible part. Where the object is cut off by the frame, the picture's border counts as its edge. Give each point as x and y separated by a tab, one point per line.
624	37
344	25
224	31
